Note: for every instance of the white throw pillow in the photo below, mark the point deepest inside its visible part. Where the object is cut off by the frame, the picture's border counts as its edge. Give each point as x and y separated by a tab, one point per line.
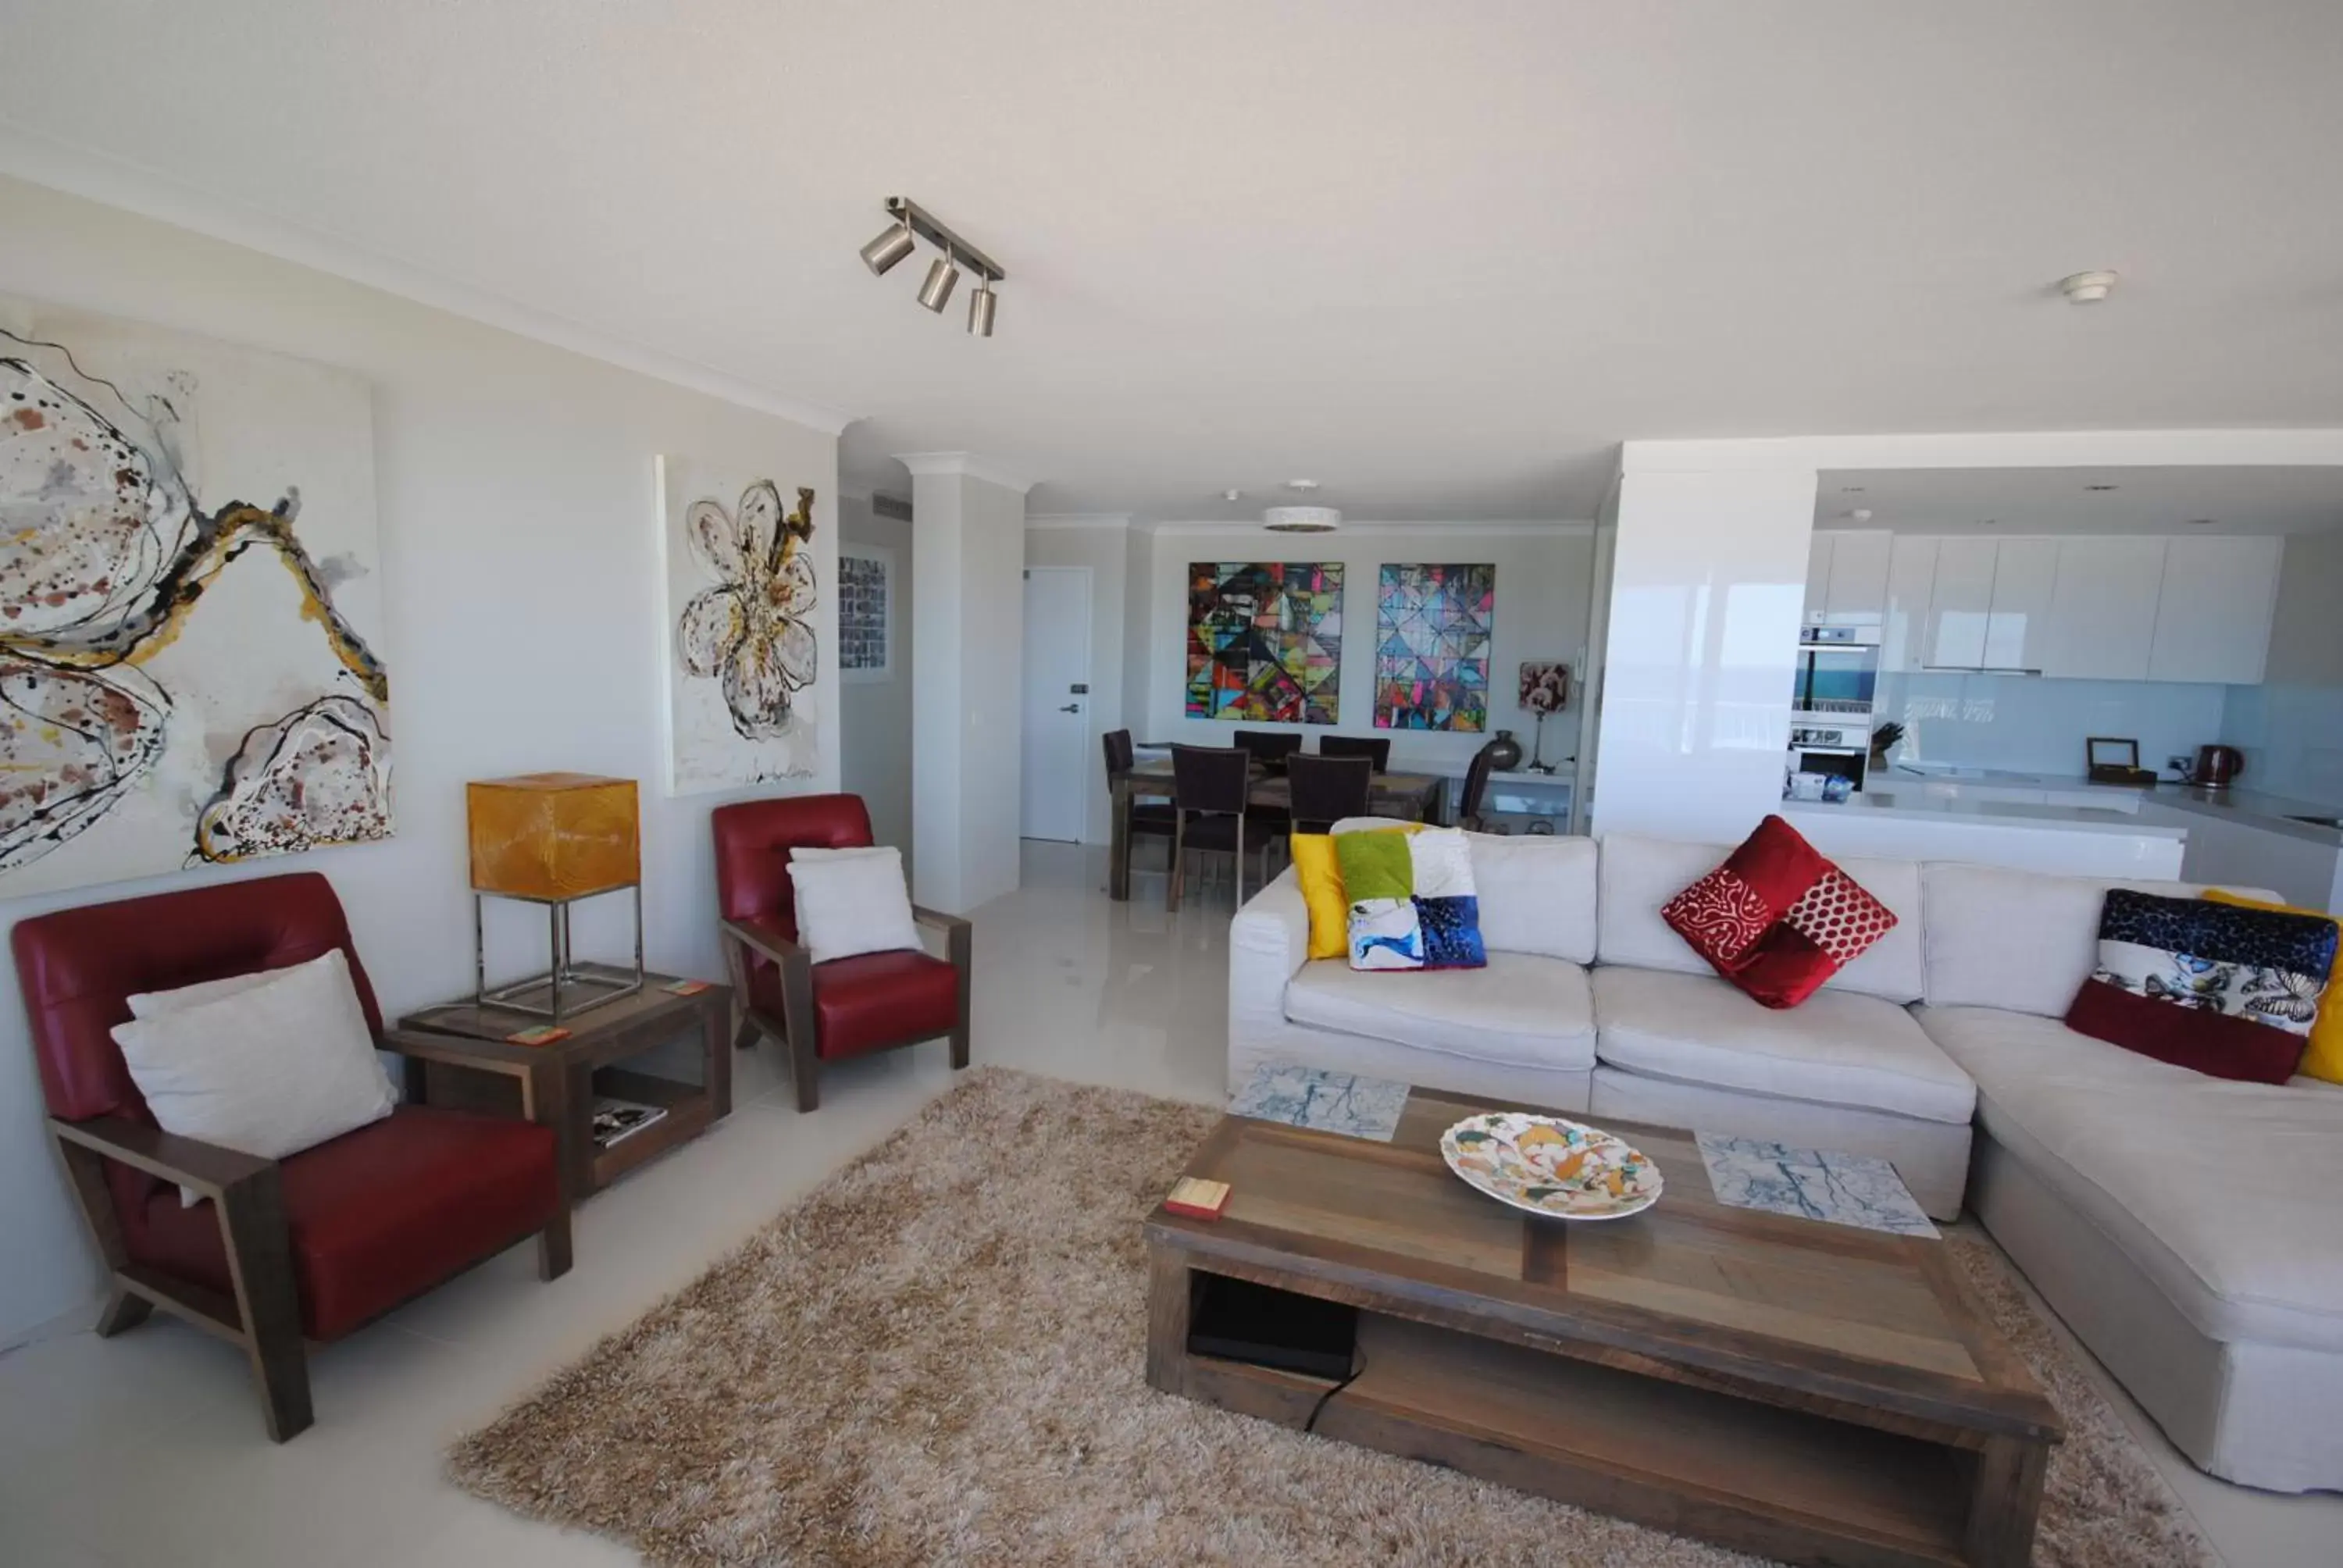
269	1067
851	901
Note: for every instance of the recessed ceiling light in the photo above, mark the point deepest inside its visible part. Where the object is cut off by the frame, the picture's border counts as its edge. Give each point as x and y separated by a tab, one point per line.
1301	484
1233	495
2102	487
1991	522
1850	489
2086	287
2200	522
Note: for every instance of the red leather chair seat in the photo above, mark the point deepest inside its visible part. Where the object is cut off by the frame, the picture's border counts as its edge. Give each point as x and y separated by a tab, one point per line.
871	1001
381	1213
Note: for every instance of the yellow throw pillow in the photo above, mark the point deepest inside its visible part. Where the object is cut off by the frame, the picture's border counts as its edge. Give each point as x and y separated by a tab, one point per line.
2322	1058
1321	876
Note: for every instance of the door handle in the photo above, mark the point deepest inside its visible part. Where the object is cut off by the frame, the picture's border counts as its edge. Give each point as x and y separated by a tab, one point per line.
1071	707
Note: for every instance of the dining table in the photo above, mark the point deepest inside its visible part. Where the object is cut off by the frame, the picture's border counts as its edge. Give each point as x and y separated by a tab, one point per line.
1407	797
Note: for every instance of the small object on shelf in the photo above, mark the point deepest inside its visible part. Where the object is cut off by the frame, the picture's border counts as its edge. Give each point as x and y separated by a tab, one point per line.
2114	759
553	838
1886	738
1505	752
616	1119
537	1034
1196	1198
685	987
1545	688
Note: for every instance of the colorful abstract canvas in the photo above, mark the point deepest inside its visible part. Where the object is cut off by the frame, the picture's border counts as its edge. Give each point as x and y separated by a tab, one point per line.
189	605
1432	625
866	612
1266	641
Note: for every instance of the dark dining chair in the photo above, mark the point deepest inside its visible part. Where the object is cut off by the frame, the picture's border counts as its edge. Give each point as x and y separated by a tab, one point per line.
1146	815
1377	748
1209	786
1476	786
1328	788
1268	747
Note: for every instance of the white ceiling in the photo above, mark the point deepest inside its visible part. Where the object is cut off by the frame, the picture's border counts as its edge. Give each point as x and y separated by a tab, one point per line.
2212	500
1441	257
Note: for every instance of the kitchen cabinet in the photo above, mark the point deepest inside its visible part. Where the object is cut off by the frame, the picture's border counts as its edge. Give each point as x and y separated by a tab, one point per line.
1960	605
2102	608
1856	591
1819	551
2213	617
1911	577
2017	627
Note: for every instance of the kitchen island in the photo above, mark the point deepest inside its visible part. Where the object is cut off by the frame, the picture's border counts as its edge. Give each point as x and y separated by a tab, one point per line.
2062	840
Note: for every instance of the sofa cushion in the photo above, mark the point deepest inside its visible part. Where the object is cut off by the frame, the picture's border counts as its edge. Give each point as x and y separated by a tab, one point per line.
1523	1010
1640	875
1838	1048
1537	893
1777	919
2018	940
2222	1193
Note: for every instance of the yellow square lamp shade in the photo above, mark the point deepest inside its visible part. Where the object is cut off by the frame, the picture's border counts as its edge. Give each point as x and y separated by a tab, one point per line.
2322	1058
554	836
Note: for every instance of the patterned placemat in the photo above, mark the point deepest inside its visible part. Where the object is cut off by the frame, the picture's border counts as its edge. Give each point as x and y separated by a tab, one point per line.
1322	1101
1812	1183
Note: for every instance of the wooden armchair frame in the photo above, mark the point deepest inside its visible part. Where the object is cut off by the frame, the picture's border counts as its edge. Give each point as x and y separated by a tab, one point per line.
263	1313
797	1028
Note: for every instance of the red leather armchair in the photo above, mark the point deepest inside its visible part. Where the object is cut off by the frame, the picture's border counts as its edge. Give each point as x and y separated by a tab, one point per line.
847	1007
315	1244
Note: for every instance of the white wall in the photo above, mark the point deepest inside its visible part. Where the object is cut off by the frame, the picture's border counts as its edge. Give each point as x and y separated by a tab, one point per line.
519	571
1541	593
1708	584
2291	727
874	717
1106	551
2028	724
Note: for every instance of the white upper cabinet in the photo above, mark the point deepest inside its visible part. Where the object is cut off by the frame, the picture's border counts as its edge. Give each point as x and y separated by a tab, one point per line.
1819	551
1911	577
1856	594
2018	627
2103	610
1960	605
2213	616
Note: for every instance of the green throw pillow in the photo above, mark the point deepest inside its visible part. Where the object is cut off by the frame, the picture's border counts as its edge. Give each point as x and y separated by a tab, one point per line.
1375	865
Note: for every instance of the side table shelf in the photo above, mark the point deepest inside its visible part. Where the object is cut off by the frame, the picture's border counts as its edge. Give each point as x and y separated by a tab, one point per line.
597	1059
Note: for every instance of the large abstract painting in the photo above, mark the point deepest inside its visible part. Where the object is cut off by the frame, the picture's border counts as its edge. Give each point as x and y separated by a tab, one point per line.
1266	641
740	644
1431	646
188	606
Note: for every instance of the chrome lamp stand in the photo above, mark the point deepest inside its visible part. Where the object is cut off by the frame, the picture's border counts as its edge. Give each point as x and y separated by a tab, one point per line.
568	988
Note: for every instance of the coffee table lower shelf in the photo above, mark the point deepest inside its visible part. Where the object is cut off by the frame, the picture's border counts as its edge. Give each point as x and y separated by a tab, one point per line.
1787	1483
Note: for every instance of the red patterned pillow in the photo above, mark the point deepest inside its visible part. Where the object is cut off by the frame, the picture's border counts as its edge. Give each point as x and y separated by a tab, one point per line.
1778	919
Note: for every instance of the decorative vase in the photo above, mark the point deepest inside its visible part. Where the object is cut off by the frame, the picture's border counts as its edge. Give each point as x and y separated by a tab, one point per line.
1505	752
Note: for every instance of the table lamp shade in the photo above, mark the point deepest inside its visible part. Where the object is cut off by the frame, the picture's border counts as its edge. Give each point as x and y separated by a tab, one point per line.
554	835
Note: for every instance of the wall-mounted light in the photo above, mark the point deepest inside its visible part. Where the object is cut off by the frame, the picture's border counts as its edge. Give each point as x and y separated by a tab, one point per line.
912	224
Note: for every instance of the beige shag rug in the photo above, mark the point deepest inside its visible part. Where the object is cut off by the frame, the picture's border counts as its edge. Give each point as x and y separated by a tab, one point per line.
936	1358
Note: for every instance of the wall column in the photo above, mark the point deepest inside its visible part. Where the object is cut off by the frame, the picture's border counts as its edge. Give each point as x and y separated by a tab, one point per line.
968	564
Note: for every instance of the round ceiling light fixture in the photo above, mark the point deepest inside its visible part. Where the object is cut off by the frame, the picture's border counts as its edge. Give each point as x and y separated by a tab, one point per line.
1302	519
2086	287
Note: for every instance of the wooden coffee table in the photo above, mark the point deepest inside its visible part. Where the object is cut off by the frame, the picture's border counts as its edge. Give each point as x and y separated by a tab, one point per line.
1804	1390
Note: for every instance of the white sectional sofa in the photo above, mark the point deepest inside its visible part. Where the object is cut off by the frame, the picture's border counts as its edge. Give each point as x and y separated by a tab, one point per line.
2187	1227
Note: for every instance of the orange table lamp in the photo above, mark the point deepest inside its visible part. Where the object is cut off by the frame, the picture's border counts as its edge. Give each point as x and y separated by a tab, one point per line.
553	838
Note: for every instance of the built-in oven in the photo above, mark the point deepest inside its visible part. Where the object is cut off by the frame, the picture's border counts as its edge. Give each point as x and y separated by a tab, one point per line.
1829	753
1838	670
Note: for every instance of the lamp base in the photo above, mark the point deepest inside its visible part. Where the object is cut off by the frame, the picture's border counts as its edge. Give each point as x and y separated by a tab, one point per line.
568	988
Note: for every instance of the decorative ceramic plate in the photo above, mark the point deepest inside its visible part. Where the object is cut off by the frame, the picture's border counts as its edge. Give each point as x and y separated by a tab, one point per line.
1552	1167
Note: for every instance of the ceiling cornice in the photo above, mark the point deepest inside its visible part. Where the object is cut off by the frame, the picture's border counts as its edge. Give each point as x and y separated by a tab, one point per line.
2301	447
1501	527
1116	520
42	161
969	464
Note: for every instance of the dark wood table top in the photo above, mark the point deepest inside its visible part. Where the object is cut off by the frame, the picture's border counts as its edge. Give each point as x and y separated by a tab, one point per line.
1776	1308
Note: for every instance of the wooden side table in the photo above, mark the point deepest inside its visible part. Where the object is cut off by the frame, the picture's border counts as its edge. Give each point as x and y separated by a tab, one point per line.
594	1060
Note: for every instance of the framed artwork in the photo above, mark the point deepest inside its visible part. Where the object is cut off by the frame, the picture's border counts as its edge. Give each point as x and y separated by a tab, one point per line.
865	613
1266	641
1432	625
739	633
189	604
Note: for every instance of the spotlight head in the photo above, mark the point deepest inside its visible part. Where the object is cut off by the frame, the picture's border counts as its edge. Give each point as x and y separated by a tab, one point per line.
980	309
888	250
937	289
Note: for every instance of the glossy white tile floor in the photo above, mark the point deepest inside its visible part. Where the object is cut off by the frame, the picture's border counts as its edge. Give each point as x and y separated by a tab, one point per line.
147	1449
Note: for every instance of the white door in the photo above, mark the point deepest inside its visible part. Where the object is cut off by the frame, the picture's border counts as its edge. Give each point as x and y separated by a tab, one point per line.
1818	570
1059	759
2016	632
2103	611
1911	579
2213	618
1858	577
1960	603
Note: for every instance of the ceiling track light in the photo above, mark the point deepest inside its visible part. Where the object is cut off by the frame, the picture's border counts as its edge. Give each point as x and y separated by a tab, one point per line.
915	223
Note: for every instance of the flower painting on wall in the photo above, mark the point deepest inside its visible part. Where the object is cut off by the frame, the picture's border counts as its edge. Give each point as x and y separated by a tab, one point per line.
741	643
189	672
1432	625
1266	641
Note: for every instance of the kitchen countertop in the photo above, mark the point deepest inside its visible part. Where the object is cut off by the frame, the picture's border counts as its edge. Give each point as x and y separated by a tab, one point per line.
2249	808
1994	813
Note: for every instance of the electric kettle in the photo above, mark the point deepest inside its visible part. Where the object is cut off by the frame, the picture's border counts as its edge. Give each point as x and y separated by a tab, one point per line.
2216	765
